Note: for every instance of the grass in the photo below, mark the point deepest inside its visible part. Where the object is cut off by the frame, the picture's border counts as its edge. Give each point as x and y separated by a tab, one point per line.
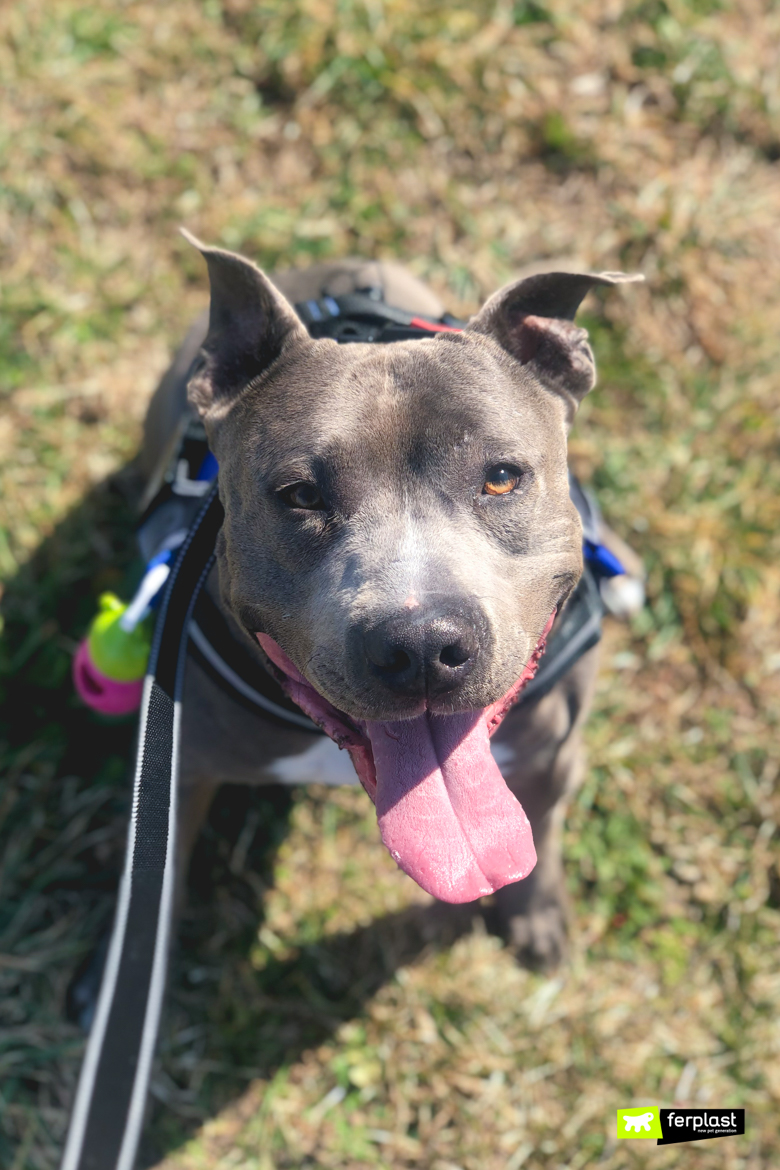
321	1012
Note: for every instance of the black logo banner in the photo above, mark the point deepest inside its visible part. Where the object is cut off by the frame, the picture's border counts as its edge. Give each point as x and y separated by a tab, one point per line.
692	1125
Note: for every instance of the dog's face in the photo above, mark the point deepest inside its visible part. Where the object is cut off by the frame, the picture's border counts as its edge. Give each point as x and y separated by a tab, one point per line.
398	530
398	519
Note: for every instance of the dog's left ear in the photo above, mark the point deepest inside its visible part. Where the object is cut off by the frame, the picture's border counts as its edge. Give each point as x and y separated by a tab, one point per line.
250	326
532	320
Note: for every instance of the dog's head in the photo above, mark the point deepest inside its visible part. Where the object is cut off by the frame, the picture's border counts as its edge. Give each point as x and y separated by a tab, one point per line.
399	536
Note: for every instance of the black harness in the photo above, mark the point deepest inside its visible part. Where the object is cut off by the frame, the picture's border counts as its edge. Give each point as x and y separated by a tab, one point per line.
110	1103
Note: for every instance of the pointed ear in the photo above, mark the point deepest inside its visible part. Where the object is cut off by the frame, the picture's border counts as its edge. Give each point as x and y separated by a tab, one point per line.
532	320
250	325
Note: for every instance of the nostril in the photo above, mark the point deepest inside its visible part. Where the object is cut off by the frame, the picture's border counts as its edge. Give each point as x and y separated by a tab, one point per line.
387	654
454	655
398	661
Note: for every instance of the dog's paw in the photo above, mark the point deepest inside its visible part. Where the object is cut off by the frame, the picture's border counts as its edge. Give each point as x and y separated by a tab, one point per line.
539	938
84	988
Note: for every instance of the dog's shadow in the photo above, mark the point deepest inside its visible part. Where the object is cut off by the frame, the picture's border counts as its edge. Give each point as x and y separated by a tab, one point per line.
62	832
242	1020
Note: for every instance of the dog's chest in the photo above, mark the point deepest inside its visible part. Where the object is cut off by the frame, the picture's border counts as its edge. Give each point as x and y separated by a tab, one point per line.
322	763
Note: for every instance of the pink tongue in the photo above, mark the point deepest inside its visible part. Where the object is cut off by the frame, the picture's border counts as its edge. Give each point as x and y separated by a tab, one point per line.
444	810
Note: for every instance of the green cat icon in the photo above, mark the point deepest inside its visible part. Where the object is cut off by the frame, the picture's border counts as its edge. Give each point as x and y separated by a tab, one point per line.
639	1122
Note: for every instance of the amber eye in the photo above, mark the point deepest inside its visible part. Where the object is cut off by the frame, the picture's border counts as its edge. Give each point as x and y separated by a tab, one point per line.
303	495
501	479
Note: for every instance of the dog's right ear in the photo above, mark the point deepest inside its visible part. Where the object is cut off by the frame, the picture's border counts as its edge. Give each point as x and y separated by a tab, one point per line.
250	326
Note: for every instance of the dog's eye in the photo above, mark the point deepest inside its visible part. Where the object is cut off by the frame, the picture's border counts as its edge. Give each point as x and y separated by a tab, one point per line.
303	495
500	479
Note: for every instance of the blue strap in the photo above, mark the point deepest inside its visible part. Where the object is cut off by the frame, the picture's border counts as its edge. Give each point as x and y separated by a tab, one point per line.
603	562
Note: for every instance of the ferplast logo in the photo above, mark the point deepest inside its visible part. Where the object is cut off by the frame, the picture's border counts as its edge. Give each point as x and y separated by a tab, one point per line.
640	1122
672	1126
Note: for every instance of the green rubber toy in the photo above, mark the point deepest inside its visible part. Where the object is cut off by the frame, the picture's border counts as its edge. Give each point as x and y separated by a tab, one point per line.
117	653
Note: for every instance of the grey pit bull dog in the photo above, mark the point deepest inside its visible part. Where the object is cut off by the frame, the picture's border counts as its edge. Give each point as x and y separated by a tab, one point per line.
398	542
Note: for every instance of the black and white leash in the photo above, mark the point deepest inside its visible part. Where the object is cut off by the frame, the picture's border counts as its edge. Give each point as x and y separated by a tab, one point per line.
108	1112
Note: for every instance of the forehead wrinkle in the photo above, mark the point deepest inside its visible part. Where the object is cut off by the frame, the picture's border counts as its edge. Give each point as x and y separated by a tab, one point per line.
389	392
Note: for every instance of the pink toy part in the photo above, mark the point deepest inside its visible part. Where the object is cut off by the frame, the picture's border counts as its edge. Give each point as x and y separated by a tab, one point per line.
102	694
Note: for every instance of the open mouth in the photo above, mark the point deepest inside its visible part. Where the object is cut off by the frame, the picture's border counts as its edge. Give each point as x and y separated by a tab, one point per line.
444	810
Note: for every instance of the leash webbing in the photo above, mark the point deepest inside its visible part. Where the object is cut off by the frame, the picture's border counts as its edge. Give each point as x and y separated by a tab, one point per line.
110	1101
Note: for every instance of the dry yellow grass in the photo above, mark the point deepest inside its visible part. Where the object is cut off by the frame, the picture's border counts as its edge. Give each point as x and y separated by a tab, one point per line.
334	1020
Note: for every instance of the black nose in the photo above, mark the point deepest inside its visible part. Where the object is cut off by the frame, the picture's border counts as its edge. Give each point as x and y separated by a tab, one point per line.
423	651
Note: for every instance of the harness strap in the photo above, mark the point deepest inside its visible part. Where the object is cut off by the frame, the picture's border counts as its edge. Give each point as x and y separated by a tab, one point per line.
236	672
364	316
577	631
111	1098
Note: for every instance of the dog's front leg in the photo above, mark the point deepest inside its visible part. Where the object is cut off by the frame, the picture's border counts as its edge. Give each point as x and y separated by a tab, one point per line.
540	753
533	914
194	801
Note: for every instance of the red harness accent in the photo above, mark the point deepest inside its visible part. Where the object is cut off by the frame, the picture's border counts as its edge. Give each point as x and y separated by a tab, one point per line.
433	326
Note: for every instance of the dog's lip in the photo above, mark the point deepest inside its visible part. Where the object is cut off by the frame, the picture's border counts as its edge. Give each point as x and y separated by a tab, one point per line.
298	688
